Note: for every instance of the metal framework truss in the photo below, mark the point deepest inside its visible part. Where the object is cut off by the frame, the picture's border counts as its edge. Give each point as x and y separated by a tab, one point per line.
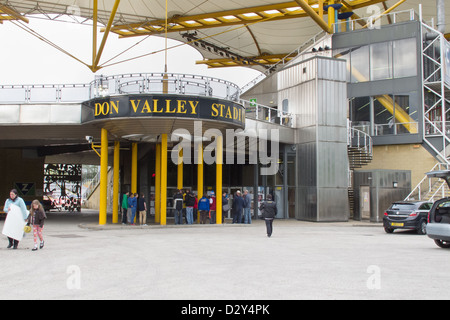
436	96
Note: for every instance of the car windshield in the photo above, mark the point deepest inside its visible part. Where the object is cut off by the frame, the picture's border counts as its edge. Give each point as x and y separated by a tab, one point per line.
403	206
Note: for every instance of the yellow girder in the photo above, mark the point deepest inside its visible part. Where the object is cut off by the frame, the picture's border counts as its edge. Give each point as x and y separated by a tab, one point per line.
259	60
287	10
7	13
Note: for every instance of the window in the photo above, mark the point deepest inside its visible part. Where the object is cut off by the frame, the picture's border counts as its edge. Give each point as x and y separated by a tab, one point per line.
381	61
360	113
405	58
360	64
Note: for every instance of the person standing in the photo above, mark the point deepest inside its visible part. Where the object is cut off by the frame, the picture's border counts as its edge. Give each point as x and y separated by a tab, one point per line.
247	208
212	208
14	199
36	219
142	207
203	207
125	208
269	211
238	205
225	206
190	203
178	205
132	203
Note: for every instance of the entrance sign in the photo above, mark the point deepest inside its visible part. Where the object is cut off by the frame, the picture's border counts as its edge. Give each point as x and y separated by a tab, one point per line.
167	106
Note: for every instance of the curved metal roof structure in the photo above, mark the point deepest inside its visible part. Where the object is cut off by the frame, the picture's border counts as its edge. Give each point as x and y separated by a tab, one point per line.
253	33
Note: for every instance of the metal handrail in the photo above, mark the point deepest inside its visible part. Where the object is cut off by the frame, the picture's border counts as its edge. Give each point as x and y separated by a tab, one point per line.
260	112
184	84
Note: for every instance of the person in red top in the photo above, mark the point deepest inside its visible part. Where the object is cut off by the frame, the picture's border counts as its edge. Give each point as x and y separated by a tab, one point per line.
212	208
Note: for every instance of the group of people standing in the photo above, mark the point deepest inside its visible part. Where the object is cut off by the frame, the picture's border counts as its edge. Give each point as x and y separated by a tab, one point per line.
190	204
132	203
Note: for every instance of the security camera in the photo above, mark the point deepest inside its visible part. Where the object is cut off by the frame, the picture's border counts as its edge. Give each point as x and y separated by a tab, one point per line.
89	139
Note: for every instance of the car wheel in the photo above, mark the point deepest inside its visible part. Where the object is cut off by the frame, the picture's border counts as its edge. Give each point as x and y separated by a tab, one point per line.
388	230
442	244
422	228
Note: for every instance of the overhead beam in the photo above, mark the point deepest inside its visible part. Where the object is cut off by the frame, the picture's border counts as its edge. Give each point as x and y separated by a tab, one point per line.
244	16
312	13
7	13
107	30
248	61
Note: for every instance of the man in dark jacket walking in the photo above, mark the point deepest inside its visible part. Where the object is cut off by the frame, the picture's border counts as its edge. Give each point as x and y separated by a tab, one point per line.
238	205
269	211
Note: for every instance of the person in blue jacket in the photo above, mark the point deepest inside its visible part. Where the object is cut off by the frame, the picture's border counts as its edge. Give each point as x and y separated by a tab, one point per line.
132	204
203	207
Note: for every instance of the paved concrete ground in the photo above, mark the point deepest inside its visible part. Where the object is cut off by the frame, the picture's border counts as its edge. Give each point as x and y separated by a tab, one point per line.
233	262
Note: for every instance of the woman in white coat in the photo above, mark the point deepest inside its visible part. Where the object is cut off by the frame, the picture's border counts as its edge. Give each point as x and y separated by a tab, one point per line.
12	229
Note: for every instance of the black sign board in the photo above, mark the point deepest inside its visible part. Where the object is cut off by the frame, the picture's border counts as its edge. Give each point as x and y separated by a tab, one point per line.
168	106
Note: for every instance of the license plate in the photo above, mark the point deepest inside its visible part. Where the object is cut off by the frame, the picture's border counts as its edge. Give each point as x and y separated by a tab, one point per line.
396	224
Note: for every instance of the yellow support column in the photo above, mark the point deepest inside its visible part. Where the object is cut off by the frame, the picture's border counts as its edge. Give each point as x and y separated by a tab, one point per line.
331	17
199	176
115	218
158	184
103	178
134	164
219	172
134	154
164	180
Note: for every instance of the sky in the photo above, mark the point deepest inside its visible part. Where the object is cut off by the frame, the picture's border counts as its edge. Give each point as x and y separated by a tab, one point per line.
28	60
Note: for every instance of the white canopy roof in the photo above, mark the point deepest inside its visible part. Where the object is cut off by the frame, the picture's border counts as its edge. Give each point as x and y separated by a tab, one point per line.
275	34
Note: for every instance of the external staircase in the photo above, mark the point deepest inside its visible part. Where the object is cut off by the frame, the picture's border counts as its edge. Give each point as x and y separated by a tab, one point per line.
360	153
431	189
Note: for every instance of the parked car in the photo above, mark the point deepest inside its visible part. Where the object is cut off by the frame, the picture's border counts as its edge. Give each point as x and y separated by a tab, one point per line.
410	215
438	227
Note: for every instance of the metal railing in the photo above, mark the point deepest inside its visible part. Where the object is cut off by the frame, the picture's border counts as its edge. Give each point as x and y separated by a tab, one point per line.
171	83
141	83
260	112
426	189
376	21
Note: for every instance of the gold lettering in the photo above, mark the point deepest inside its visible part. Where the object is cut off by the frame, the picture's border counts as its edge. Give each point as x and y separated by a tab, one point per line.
146	108
182	106
168	110
115	107
229	115
133	103
194	106
155	107
235	114
215	111
97	109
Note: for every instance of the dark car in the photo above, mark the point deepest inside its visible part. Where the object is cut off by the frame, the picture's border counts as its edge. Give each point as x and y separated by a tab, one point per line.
412	215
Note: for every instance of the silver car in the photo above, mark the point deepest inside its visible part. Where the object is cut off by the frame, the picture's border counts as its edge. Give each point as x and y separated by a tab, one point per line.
438	227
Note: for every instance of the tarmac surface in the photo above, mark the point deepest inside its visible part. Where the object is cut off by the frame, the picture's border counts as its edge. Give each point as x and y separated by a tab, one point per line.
302	260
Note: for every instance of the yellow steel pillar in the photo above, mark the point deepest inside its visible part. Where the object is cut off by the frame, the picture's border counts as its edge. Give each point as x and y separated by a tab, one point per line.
103	178
158	184
199	176
115	218
331	16
164	180
134	164
219	172
134	154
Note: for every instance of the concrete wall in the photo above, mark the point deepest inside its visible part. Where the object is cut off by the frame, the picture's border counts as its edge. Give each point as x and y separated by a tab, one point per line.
17	168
